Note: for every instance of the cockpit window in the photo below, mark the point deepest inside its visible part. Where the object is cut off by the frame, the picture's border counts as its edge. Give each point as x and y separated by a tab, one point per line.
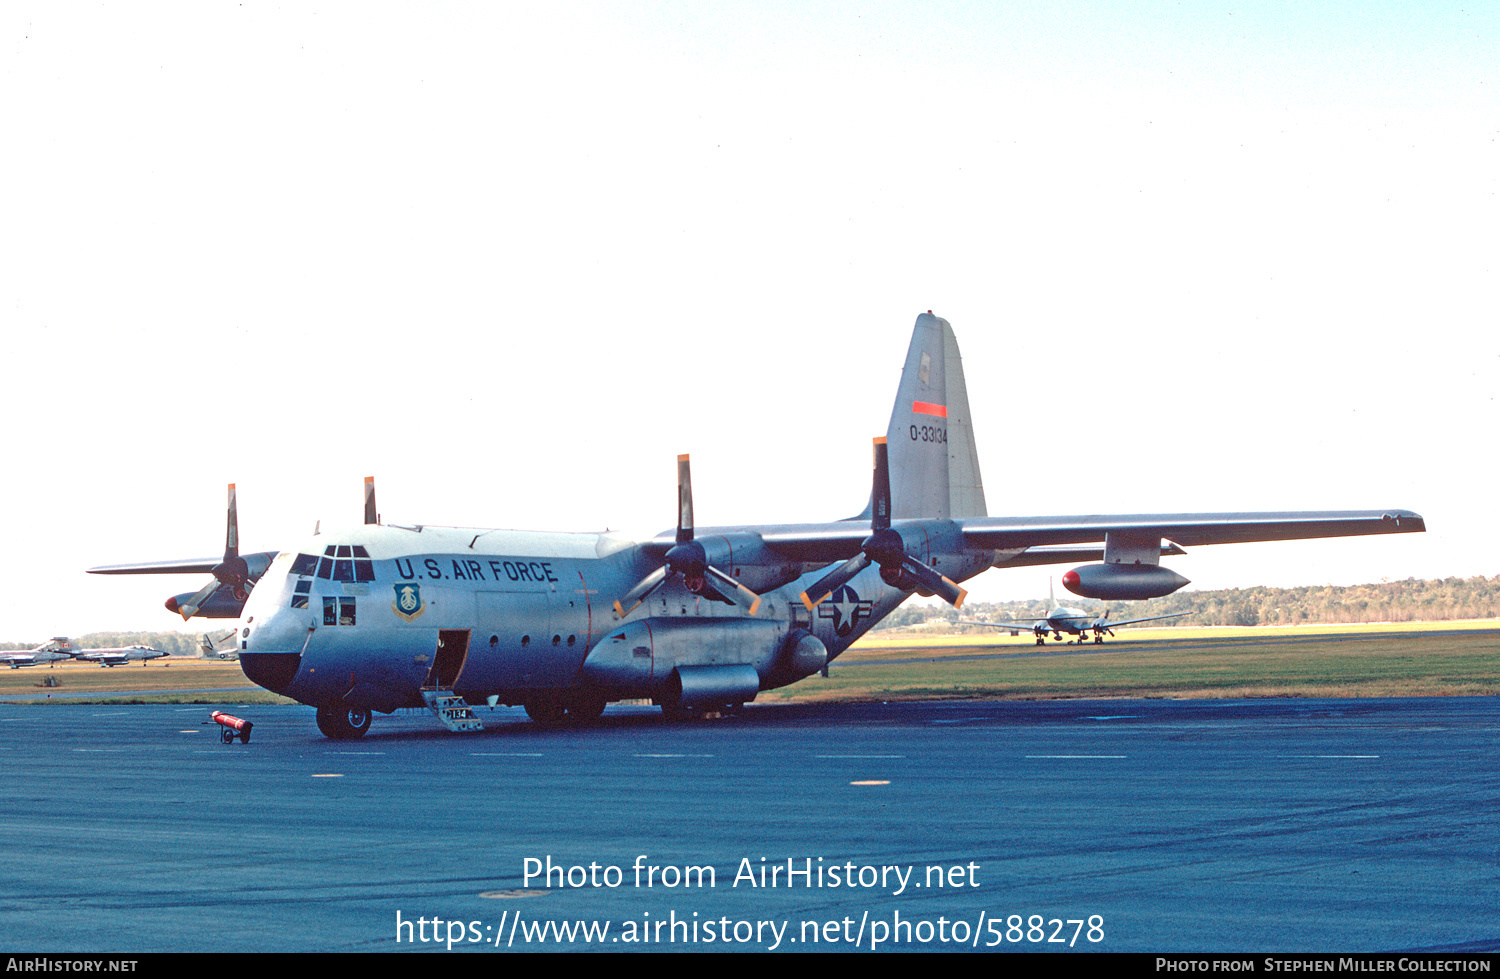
304	564
342	562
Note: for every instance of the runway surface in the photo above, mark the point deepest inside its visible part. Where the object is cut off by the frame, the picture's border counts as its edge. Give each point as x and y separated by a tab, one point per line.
1122	825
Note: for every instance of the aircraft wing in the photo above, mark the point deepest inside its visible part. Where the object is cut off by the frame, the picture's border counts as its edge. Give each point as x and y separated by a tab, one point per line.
1024	626
1188	529
200	565
1048	535
1150	618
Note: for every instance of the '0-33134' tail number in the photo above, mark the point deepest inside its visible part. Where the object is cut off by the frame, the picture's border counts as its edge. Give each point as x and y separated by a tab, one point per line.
928	433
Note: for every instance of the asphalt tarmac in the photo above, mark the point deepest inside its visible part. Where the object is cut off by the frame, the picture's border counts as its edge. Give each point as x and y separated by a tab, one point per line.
1069	826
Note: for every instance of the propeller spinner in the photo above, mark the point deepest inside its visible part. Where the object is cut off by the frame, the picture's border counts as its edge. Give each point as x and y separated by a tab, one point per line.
886	548
689	560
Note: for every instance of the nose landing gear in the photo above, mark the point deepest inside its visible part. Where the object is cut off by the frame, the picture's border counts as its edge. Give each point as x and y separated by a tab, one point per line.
343	723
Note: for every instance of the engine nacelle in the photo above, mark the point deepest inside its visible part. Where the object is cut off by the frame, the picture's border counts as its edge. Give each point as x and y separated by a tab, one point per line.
644	657
220	605
1123	582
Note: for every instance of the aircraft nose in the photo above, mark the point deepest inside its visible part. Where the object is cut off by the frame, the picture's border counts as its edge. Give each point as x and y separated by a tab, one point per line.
1070	580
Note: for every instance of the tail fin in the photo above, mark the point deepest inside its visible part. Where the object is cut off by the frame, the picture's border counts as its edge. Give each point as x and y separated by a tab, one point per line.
934	466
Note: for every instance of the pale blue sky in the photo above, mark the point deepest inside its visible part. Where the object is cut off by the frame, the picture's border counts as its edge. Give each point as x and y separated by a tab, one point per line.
512	258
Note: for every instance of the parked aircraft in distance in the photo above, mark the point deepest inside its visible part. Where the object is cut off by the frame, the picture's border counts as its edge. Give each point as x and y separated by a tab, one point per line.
1073	621
119	655
209	646
386	616
50	651
63	648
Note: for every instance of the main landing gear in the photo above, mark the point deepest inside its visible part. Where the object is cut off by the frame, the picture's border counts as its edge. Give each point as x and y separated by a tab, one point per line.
676	714
551	712
343	723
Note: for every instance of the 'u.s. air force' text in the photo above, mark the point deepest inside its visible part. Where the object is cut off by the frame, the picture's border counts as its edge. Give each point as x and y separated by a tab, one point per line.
468	569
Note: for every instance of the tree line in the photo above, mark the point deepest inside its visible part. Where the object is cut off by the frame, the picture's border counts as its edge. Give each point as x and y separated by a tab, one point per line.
1411	600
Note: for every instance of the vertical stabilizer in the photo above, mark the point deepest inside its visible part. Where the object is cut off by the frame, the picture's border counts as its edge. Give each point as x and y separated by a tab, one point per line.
965	488
934	466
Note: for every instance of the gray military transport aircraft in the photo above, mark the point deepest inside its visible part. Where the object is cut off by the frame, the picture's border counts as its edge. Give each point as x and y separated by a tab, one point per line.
696	619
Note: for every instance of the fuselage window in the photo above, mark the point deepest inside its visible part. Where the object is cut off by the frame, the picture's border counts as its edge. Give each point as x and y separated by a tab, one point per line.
338	610
302	593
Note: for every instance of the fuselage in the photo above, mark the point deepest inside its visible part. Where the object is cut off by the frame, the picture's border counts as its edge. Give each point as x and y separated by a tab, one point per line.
369	616
1060	620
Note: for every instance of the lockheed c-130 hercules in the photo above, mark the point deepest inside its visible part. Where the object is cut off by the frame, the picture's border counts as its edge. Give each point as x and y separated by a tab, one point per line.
696	619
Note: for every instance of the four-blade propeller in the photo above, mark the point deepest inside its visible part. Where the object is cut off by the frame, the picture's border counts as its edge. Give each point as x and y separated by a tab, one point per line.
232	571
688	560
886	548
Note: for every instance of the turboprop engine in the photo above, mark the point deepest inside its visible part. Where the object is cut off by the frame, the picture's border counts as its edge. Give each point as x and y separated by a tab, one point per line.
1123	582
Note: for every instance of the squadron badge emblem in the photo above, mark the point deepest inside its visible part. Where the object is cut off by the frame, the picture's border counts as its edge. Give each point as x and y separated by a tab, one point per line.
408	603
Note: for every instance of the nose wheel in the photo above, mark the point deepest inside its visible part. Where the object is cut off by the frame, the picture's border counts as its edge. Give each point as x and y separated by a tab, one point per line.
343	723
